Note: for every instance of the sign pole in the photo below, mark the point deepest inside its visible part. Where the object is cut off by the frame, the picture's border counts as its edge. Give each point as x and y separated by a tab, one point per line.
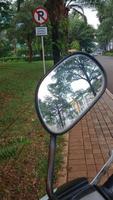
43	54
40	16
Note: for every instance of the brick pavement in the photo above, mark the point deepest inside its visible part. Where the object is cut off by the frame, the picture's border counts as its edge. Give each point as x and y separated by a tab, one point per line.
89	142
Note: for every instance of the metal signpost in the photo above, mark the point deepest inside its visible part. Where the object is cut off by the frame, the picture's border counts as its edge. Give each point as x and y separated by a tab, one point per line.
42	31
40	15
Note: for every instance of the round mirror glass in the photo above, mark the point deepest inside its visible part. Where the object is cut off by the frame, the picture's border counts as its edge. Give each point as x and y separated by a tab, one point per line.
69	91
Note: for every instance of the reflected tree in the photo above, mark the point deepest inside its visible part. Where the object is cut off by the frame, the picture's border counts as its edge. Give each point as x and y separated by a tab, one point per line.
80	68
65	99
56	111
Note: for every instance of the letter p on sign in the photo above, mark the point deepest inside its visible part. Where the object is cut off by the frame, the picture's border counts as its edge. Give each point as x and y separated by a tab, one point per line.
40	15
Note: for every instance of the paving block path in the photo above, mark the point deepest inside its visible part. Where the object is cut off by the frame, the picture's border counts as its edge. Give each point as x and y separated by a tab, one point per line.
89	142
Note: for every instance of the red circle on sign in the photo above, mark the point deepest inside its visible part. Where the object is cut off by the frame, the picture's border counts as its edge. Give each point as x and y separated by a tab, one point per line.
40	15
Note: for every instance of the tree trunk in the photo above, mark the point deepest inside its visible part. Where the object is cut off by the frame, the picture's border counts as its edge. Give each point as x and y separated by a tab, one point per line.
14	43
29	42
19	4
55	46
57	12
88	80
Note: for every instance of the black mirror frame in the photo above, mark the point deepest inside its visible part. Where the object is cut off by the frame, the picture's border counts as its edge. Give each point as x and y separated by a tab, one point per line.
82	115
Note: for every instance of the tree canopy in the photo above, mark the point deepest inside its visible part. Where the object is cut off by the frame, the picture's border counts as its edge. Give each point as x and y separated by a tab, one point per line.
80	31
105	31
21	30
5	14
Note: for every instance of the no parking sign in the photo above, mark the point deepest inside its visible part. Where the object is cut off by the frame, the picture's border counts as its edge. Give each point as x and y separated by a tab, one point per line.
40	15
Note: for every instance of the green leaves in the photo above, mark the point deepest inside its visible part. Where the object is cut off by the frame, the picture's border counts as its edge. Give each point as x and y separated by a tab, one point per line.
82	33
5	14
75	45
105	31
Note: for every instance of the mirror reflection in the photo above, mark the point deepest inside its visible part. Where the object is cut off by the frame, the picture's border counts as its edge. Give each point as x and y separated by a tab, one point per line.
68	91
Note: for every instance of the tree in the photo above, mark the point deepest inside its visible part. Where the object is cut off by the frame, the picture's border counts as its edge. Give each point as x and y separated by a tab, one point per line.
4	45
58	15
5	14
59	12
80	31
19	2
22	29
105	31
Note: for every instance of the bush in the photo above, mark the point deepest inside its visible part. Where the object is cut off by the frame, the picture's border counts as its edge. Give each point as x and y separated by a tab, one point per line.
109	53
18	59
11	59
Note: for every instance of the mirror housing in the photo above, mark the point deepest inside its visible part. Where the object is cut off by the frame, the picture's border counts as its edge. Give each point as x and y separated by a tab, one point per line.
69	91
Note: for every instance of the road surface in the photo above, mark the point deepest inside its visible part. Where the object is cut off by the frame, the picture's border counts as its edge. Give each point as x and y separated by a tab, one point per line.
107	63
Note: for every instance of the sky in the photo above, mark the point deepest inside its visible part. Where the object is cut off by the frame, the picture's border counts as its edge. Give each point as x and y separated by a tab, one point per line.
91	17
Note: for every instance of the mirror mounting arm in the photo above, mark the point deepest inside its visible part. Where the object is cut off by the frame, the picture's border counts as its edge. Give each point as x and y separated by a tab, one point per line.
49	183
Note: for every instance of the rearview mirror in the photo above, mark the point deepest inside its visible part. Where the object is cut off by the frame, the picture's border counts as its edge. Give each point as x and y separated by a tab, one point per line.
67	93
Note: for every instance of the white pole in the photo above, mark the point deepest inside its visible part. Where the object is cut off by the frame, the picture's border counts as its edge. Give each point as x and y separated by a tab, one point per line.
43	54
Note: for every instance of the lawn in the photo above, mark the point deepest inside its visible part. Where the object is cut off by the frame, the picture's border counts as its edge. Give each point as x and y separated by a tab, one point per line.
23	142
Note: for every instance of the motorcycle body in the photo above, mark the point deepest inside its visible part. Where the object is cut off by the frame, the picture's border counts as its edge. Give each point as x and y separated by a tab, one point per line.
62	98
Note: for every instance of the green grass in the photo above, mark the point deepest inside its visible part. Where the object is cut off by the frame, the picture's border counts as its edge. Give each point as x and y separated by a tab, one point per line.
23	141
17	87
10	150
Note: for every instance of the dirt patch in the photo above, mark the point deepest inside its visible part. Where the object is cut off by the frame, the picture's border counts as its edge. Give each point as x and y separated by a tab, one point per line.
18	176
5	98
17	184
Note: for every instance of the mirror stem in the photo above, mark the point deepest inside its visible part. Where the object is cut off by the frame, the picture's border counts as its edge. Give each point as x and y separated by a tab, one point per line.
52	151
